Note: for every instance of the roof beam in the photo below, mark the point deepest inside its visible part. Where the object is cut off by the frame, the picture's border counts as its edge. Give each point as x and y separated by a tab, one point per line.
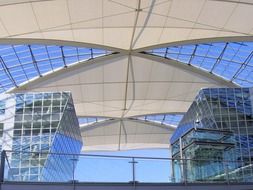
91	53
63	57
193	54
244	64
34	61
219	58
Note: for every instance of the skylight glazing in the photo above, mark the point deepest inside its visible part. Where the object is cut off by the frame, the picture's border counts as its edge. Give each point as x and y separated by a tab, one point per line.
21	63
229	60
164	119
84	121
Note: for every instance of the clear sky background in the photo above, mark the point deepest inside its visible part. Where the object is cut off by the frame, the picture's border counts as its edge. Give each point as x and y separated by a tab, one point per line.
96	169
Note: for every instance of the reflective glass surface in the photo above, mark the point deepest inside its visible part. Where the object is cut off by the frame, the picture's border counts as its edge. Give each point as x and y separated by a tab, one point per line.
42	122
219	109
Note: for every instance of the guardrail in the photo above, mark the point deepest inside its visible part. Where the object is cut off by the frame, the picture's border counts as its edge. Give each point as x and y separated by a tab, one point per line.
72	168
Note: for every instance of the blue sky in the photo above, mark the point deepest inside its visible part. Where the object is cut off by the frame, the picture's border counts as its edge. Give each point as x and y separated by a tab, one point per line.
120	169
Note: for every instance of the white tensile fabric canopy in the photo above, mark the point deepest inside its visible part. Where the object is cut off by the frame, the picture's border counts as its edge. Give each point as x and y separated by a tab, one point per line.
124	134
125	24
107	88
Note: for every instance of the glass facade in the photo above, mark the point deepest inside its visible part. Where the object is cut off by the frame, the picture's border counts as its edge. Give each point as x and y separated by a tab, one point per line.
218	126
47	123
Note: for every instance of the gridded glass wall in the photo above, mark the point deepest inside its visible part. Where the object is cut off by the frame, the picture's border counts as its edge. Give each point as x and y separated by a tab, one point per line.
227	109
205	151
67	140
40	119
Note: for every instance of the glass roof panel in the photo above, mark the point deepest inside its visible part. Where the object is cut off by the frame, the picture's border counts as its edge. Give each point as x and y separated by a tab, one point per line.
229	60
21	63
84	121
164	119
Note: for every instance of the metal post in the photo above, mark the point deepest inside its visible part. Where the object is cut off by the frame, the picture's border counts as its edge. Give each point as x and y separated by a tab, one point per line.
182	168
184	162
3	155
73	169
133	162
173	171
74	160
227	173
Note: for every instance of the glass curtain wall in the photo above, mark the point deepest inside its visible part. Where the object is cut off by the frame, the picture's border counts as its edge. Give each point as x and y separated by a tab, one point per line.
44	122
226	115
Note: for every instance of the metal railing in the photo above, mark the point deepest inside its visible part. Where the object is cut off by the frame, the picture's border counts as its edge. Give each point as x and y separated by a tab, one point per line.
73	168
